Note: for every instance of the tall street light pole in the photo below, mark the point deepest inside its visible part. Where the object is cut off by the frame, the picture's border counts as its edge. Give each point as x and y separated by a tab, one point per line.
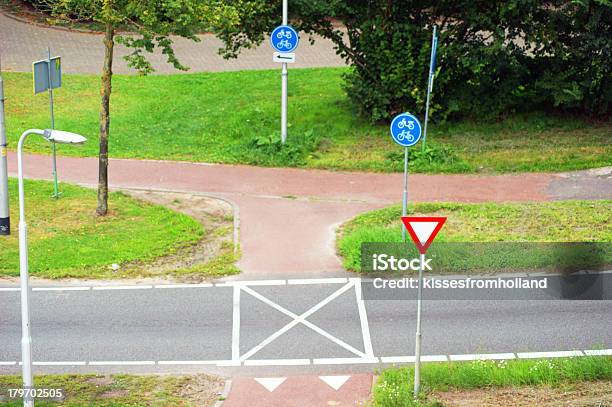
54	136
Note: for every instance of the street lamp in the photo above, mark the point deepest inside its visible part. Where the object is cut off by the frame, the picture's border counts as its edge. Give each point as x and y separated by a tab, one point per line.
56	136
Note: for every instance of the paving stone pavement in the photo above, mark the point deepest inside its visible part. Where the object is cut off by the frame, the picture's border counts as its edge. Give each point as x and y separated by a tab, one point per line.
22	43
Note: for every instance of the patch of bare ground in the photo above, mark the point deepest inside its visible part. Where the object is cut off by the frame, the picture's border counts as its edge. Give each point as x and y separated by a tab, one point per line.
214	214
202	390
596	394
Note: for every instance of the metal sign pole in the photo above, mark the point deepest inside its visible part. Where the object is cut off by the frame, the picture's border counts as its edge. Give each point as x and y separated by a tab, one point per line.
432	67
55	186
405	196
284	75
422	243
417	346
5	221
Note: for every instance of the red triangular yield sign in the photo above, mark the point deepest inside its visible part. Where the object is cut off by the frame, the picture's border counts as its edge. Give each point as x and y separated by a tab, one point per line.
423	229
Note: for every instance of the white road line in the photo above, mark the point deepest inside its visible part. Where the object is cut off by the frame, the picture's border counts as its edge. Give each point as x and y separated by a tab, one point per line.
80	288
189	362
296	281
434	358
328	361
277	362
332	338
363	318
269	340
398	359
300	319
251	282
598	352
200	285
484	356
122	287
228	363
558	354
344	361
9	288
122	363
236	325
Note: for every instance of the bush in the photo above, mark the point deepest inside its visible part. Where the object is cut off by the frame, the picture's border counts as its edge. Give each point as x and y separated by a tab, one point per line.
494	57
573	70
268	150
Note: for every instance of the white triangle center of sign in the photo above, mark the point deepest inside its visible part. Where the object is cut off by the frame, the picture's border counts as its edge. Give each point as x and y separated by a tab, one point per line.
335	382
270	383
423	230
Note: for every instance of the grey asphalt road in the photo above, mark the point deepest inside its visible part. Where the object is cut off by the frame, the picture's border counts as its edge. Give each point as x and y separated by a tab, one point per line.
231	330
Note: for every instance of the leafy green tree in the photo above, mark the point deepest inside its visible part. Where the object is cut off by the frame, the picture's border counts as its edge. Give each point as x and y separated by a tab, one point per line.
151	24
494	56
574	62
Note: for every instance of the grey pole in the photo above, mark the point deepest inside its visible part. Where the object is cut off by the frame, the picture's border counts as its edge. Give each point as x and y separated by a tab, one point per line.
24	275
284	75
405	196
55	186
432	63
5	221
26	337
417	346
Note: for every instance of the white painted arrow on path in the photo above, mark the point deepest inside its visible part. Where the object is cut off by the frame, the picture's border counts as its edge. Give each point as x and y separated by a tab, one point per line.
335	382
270	383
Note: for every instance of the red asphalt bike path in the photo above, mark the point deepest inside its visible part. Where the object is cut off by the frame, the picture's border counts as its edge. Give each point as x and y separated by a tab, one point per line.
288	217
300	391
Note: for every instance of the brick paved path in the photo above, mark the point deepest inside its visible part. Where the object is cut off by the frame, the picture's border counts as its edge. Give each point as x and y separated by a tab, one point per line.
22	43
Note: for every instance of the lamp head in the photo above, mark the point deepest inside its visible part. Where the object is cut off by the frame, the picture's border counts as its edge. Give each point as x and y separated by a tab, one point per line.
63	137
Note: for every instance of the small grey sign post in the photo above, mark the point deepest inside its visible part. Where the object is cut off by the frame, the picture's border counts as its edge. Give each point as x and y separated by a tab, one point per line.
284	40
48	76
406	131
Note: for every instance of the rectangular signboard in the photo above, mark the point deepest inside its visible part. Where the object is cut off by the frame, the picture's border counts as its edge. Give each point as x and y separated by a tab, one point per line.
286	57
40	70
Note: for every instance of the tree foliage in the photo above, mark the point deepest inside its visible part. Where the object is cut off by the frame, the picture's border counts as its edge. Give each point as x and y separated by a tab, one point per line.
151	24
493	56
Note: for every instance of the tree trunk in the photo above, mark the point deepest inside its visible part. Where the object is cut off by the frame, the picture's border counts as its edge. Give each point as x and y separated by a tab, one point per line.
107	75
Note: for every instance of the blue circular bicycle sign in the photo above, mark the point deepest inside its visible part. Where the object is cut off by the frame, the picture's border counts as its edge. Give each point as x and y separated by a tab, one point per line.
405	130
284	38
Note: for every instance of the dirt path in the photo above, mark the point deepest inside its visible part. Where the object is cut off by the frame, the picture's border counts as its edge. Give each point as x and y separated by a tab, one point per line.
574	395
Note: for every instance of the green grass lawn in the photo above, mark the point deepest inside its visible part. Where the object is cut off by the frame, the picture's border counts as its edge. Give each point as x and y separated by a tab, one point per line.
567	221
395	385
67	239
121	390
233	117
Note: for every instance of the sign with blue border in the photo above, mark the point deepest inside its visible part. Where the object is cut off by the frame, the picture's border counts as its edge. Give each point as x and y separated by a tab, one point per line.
284	38
405	130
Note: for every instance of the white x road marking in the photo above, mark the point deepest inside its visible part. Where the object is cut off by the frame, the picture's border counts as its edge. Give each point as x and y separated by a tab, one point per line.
302	319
